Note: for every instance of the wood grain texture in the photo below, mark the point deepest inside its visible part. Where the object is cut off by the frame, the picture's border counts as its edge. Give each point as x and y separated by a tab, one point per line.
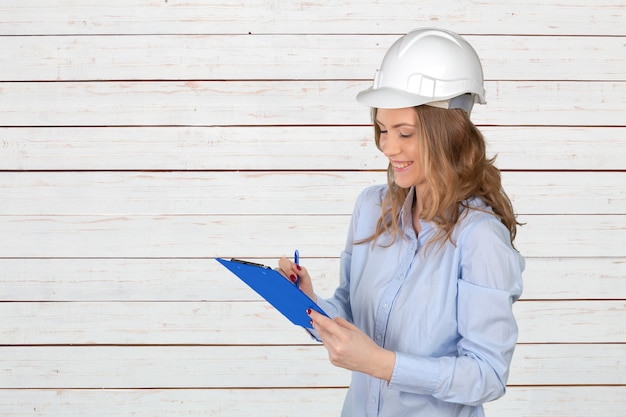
93	236
282	57
193	280
560	401
257	323
143	367
263	402
141	138
207	103
579	17
287	148
255	193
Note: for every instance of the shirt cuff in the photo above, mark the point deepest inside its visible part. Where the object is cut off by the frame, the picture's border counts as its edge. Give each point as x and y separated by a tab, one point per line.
416	374
327	307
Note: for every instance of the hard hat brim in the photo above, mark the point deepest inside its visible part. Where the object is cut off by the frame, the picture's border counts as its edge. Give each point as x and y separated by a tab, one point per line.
390	98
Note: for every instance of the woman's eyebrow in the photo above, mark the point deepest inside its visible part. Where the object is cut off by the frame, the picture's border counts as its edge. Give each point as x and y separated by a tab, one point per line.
395	126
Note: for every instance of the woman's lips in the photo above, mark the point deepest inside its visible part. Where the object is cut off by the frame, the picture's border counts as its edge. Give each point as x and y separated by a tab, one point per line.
400	165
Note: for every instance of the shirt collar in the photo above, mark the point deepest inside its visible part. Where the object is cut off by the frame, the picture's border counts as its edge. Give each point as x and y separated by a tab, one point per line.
406	217
406	214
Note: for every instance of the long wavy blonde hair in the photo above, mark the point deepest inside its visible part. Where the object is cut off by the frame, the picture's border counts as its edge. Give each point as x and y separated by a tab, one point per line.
456	167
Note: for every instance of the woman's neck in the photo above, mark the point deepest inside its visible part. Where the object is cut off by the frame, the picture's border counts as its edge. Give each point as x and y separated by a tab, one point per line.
417	210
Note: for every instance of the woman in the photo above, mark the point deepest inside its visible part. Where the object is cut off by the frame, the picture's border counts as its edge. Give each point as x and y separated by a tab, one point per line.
422	314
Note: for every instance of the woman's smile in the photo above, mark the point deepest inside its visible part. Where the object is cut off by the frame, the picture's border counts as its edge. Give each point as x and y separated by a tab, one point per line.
401	166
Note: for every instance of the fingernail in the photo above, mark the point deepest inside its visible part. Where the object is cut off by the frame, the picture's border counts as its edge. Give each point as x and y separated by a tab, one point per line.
299	268
292	278
308	311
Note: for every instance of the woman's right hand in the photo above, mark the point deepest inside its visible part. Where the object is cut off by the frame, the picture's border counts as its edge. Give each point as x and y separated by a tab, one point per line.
292	271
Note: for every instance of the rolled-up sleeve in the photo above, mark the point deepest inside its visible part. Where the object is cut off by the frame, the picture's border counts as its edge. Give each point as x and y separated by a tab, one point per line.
489	283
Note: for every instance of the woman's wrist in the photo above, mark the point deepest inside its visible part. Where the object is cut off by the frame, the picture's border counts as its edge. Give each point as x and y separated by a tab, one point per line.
383	364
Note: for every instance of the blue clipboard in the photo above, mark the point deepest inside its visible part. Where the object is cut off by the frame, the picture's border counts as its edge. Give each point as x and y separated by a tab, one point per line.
278	291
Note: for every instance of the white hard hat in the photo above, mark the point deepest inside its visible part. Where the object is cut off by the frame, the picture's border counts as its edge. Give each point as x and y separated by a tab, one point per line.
427	66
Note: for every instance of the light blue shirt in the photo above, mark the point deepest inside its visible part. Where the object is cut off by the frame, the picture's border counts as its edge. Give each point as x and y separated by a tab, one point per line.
445	311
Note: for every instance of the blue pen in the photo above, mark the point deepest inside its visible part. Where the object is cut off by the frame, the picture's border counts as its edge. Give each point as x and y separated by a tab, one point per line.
296	260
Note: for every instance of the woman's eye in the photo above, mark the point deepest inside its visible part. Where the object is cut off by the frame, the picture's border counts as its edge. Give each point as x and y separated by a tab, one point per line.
405	135
383	132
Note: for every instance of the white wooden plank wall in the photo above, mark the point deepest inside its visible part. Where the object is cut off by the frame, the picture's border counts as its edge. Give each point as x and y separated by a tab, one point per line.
141	138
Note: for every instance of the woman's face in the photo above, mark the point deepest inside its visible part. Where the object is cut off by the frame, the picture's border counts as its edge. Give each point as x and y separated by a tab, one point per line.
399	136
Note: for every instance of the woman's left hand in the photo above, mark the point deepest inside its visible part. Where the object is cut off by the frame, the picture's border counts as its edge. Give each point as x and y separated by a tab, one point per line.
348	347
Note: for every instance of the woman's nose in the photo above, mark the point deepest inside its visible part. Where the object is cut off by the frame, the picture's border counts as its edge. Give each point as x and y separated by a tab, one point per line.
390	146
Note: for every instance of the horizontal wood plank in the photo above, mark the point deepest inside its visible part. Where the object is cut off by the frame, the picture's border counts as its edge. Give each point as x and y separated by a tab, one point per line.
266	366
313	193
556	148
205	103
549	401
559	402
574	278
284	57
286	148
263	16
187	367
271	193
242	323
559	364
571	321
276	402
571	236
561	192
265	236
147	323
202	148
204	279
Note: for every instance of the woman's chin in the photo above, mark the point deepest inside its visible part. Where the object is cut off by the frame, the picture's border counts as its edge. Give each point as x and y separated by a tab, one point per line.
403	184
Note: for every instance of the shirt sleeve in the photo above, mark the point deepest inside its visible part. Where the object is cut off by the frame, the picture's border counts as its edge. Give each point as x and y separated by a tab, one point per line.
489	283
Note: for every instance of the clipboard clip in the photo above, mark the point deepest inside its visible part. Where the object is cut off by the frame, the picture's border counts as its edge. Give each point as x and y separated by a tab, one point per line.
241	261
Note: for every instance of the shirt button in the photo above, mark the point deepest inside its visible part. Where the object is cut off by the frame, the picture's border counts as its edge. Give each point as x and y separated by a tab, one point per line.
385	306
378	337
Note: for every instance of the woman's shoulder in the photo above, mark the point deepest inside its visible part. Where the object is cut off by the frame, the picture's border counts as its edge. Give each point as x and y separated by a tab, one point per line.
367	210
479	219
